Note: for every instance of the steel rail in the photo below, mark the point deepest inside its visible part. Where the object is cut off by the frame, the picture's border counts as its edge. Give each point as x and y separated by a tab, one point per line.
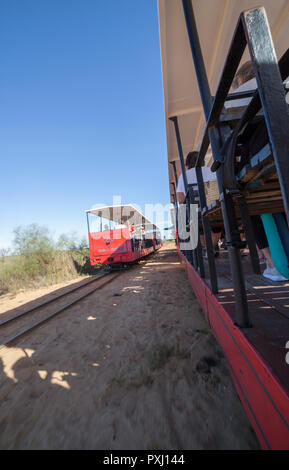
50	300
40	322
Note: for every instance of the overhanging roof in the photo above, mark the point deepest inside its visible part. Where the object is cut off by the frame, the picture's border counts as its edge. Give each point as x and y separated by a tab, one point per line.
124	214
216	21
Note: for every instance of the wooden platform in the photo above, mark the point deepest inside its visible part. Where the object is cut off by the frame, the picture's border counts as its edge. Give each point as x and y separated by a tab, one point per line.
269	313
256	355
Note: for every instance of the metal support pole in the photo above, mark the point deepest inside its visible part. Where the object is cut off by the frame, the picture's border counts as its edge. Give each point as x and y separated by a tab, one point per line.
207	233
180	149
176	216
181	157
175	193
198	252
224	132
176	206
175	172
191	254
87	220
241	304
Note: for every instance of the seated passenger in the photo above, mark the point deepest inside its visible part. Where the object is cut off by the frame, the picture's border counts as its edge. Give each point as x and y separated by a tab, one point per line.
208	175
244	81
132	233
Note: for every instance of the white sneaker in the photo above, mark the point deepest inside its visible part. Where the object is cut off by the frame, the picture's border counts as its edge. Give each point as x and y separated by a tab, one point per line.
273	274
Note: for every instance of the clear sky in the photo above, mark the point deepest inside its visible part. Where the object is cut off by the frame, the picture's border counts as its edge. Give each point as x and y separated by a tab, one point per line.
81	113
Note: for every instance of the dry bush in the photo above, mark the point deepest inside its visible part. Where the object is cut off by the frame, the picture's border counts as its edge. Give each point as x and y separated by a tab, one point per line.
39	261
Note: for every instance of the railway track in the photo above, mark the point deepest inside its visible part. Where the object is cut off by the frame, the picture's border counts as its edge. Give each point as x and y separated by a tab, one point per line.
38	308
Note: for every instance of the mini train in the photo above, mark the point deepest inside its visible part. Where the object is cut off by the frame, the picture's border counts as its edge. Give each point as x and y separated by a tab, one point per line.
120	235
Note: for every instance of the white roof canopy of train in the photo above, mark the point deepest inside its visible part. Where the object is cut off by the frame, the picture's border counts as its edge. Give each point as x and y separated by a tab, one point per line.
216	22
124	214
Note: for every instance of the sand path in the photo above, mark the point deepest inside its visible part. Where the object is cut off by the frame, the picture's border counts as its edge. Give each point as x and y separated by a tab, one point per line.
133	366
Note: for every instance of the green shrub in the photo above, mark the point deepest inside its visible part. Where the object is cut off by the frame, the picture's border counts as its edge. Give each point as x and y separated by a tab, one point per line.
39	261
34	240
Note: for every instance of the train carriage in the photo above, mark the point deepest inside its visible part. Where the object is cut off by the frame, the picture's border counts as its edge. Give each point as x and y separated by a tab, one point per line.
203	44
120	235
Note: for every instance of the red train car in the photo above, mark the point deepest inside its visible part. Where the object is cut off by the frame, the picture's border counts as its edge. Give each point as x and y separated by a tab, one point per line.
120	235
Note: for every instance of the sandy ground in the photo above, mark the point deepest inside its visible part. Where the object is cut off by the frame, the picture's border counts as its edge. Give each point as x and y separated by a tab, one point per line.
133	366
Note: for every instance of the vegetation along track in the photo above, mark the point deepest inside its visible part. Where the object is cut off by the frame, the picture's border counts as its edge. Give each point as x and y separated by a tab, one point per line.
39	307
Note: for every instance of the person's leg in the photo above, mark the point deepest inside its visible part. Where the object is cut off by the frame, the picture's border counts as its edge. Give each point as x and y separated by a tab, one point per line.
261	255
266	252
262	243
261	238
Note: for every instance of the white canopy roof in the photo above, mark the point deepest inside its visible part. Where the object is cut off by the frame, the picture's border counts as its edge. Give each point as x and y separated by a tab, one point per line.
124	214
216	21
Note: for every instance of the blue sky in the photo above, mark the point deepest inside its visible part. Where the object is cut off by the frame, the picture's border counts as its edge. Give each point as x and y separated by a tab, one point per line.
81	115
